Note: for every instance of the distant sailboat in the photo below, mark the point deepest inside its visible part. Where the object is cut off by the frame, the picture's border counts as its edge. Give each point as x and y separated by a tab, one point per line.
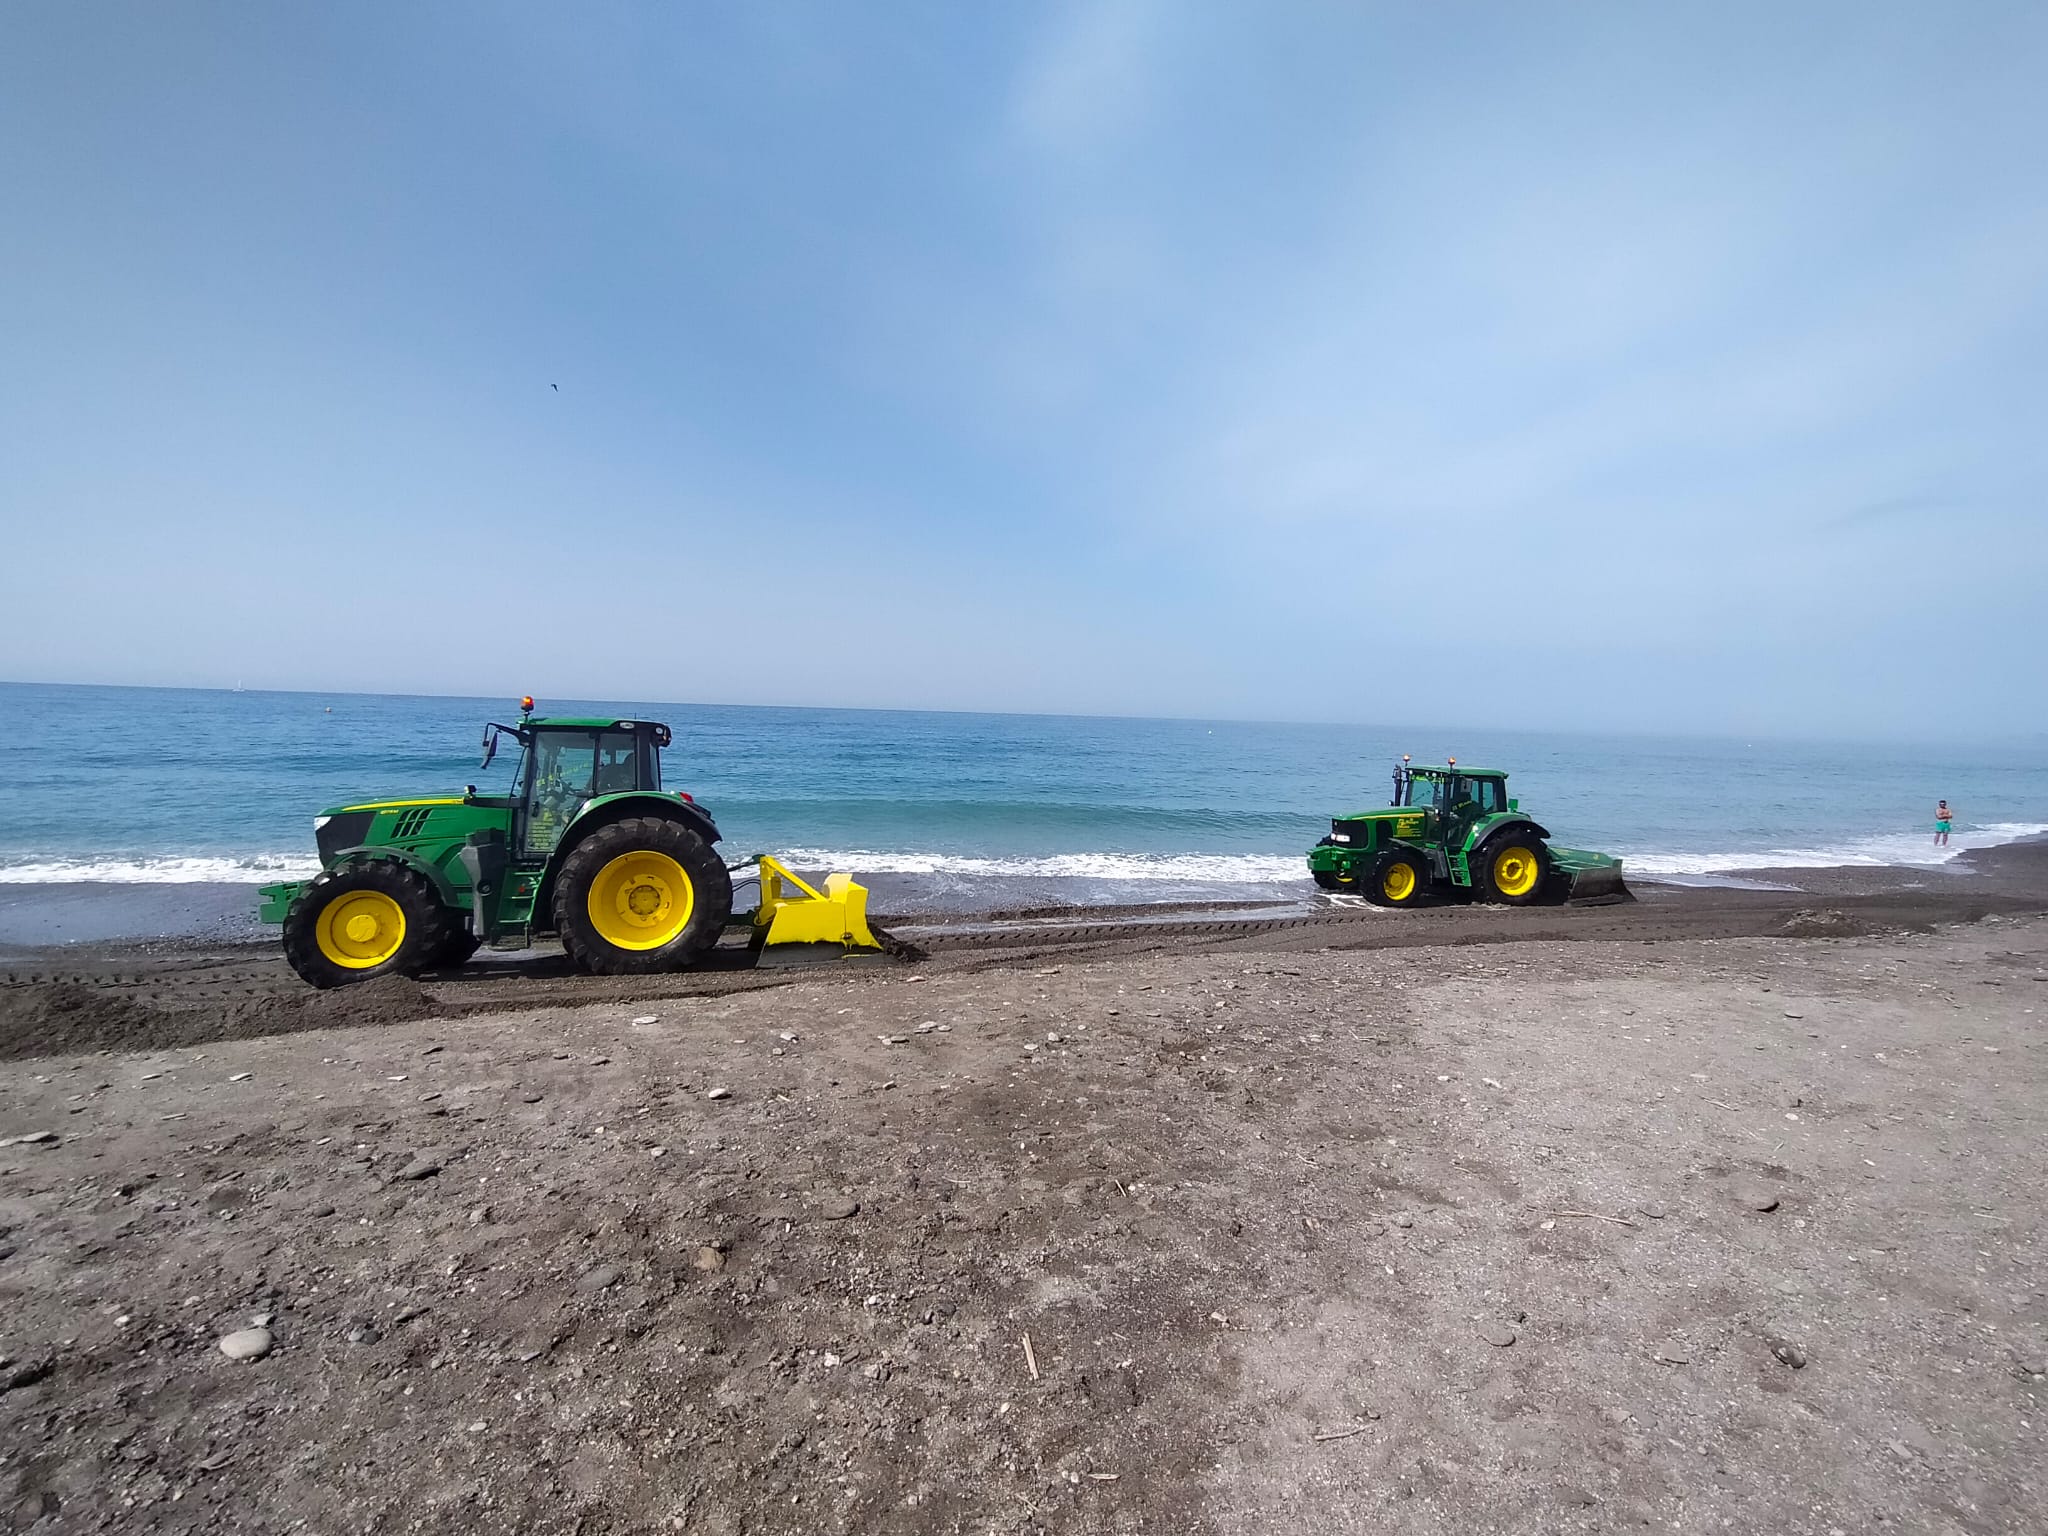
238	686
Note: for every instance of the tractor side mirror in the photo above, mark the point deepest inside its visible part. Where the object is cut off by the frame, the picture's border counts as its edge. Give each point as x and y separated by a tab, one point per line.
490	750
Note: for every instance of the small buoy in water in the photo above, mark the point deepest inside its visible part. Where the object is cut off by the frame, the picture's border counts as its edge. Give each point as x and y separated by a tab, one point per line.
330	709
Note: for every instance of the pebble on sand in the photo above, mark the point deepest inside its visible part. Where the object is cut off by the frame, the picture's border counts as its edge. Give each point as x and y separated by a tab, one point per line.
421	1167
1499	1335
1790	1354
839	1209
719	1093
602	1278
247	1343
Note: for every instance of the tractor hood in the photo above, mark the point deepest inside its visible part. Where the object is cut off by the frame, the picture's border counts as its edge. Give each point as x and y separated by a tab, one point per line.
351	826
1398	821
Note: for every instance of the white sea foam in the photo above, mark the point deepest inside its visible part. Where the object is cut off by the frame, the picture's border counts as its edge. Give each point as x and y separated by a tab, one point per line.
1912	849
1206	868
1909	849
253	870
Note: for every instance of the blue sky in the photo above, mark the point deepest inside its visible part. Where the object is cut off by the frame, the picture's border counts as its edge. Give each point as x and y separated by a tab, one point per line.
1666	367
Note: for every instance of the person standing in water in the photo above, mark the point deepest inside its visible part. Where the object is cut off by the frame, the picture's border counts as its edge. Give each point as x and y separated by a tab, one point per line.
1943	819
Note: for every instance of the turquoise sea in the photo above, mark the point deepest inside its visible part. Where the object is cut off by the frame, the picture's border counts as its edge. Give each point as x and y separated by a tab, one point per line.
162	785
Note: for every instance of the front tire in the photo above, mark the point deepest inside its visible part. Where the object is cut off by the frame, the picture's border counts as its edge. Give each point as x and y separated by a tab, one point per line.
640	896
363	921
1397	879
1511	869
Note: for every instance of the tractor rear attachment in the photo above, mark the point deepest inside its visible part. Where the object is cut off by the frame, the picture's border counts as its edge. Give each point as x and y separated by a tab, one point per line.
1589	879
796	921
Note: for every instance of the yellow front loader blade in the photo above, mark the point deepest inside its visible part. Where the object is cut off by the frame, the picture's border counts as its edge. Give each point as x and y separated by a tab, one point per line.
792	912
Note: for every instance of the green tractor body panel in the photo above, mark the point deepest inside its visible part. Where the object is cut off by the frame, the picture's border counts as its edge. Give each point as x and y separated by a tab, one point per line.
494	857
1450	814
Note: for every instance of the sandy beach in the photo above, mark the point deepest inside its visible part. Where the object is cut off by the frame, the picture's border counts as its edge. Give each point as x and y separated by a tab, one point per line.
1716	1211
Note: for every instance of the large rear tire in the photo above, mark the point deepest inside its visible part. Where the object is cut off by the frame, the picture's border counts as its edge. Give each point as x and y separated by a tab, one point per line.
639	896
362	921
1396	879
1512	867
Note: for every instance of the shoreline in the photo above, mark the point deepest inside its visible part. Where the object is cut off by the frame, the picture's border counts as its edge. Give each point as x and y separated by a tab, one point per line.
85	917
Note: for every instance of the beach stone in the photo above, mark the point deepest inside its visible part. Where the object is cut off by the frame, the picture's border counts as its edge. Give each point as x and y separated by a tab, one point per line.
1404	1220
1654	1212
247	1343
530	1098
425	1166
1499	1335
32	1139
602	1278
1758	1197
708	1259
1673	1354
364	1334
719	1093
839	1208
1790	1354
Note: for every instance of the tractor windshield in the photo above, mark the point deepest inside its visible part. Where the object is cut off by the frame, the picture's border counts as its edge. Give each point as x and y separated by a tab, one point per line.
1426	791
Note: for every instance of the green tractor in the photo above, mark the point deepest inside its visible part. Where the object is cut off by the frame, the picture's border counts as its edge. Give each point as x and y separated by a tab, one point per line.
586	845
1453	831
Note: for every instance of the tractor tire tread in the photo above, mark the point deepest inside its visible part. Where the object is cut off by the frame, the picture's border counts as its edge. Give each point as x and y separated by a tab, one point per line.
712	896
1373	886
427	922
1482	867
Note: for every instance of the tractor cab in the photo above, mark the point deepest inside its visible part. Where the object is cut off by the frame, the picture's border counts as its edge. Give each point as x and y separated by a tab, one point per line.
1452	797
564	764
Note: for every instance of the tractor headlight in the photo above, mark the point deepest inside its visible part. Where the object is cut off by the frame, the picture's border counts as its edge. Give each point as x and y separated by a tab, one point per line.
1340	837
321	821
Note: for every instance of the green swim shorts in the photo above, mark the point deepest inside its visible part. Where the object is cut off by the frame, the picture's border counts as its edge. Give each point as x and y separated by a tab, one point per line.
1941	826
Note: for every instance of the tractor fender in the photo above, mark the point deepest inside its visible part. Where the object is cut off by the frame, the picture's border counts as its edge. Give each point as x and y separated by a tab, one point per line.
1507	821
451	897
602	812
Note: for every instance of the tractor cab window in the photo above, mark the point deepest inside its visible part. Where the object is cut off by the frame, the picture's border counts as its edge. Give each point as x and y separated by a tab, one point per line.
1426	792
569	767
618	763
1490	795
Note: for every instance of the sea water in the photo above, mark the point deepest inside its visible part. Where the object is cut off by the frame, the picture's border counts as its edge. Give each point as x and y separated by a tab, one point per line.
168	785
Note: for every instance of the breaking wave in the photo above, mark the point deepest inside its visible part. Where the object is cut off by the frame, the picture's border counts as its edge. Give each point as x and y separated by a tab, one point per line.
1909	849
256	869
1205	868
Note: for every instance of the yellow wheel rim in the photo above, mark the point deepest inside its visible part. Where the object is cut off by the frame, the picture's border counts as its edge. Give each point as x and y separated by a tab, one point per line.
1398	883
360	929
641	900
1514	871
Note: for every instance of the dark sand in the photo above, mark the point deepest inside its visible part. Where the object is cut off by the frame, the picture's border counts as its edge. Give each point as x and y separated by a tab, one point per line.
1716	1212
